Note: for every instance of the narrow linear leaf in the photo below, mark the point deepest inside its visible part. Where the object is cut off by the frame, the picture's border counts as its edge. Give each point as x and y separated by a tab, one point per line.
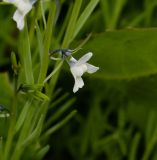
105	141
35	134
42	12
59	100
84	16
29	139
40	41
22	116
47	42
60	111
59	125
65	23
134	146
151	124
40	96
25	55
150	147
53	72
72	23
1	148
42	152
116	13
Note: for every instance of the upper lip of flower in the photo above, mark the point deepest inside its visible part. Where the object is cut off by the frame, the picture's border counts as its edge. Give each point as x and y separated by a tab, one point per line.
84	58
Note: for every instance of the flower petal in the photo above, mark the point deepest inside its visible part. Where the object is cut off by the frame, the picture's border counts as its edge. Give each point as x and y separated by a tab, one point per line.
91	68
9	1
23	7
72	62
84	58
78	84
32	1
78	70
19	18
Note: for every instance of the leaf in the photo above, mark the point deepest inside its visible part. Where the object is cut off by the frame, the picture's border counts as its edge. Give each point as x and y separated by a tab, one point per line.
34	135
72	24
134	146
59	124
125	54
41	153
22	116
47	41
6	90
40	41
25	54
61	110
85	15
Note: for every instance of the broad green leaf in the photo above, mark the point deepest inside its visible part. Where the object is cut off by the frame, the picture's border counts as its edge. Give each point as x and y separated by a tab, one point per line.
125	54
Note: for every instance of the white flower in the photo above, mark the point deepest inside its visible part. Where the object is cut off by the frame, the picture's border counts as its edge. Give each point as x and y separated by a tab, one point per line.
23	7
78	68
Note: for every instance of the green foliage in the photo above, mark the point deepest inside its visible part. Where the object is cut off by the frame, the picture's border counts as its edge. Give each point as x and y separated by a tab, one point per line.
116	109
28	93
133	54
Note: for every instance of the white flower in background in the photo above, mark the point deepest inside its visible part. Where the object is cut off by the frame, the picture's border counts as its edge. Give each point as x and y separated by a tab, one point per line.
23	7
78	68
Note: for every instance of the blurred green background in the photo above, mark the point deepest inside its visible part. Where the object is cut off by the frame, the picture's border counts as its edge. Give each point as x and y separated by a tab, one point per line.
117	108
